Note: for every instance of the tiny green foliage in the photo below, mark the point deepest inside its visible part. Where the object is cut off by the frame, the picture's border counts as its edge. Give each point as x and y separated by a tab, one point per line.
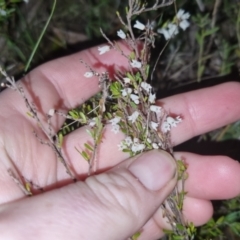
181	167
115	89
60	139
84	154
136	236
87	146
30	114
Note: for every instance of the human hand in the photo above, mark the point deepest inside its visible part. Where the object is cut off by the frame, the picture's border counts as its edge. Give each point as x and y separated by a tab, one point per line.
113	204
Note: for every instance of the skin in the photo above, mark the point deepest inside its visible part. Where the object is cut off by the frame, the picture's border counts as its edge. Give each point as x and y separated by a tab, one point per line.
111	205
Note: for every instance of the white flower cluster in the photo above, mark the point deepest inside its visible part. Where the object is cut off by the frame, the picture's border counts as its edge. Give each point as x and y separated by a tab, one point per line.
134	144
133	94
172	29
128	92
169	31
154	145
170	122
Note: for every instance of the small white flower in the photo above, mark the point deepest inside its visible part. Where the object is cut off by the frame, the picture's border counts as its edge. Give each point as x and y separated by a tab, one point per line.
133	117
115	120
121	34
126	91
121	146
136	64
51	112
173	29
155	146
88	74
165	33
155	108
152	98
170	122
184	24
141	146
154	125
136	147
135	98
147	87
103	49
139	25
126	80
115	128
166	127
181	15
92	122
170	31
128	141
173	121
182	18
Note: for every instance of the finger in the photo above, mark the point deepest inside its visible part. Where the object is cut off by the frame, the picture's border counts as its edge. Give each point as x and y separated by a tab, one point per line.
116	199
203	110
67	73
211	177
61	84
205	173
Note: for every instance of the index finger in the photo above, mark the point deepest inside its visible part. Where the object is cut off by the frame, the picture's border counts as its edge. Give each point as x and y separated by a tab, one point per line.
61	83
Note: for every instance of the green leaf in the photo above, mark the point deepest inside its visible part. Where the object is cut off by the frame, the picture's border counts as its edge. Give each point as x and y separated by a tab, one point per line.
210	31
130	76
232	217
135	236
87	146
83	117
138	77
85	156
235	227
147	70
90	132
199	39
132	55
220	220
115	89
40	37
30	114
74	114
60	139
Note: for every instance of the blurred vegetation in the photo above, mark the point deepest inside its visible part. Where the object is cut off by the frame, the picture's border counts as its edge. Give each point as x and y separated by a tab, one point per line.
208	50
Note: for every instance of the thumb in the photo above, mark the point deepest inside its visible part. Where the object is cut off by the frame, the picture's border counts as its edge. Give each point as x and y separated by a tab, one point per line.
111	205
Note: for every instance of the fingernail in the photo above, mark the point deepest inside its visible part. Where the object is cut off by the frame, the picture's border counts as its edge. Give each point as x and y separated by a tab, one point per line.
154	169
